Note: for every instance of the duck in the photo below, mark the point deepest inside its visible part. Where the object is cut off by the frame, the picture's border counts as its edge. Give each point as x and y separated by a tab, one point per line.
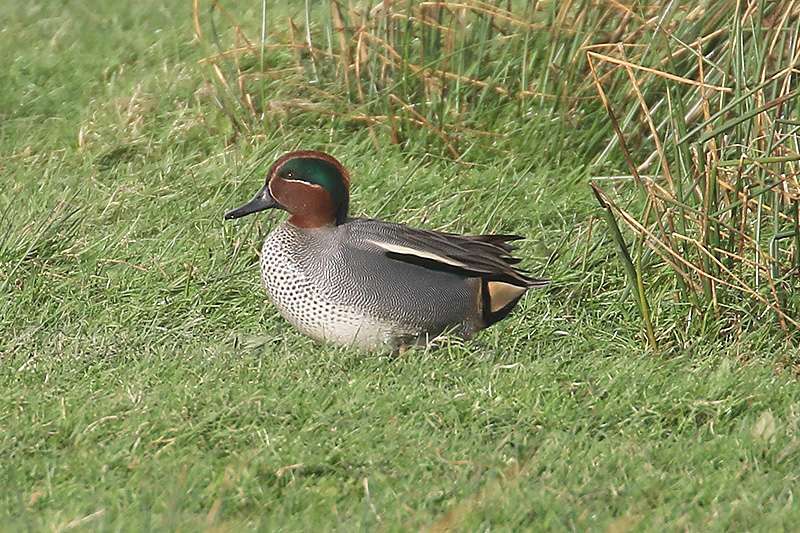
371	283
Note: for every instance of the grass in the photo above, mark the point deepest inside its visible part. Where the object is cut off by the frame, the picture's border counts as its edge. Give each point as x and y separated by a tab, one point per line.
146	384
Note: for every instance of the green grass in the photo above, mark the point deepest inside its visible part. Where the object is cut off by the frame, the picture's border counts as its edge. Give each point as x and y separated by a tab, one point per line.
145	383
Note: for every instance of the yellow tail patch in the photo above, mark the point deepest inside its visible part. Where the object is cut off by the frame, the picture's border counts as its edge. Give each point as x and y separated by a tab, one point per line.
501	294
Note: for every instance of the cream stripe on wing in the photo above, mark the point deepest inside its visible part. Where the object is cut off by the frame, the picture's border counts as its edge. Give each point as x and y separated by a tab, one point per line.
404	250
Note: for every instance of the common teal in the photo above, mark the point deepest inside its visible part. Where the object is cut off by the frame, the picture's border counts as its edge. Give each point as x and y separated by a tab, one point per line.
373	283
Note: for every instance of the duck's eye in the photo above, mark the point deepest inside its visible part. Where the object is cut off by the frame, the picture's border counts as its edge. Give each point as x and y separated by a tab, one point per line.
289	174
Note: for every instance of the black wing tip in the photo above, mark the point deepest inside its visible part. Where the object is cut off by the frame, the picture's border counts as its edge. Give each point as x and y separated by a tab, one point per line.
536	283
502	237
520	279
498	243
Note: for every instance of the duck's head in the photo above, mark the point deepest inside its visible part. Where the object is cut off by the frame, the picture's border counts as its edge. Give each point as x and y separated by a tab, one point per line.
312	186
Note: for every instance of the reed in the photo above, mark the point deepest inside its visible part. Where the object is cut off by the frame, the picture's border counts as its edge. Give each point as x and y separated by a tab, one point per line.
444	76
706	115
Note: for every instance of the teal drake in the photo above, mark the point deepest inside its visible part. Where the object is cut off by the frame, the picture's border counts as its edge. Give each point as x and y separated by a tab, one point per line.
372	283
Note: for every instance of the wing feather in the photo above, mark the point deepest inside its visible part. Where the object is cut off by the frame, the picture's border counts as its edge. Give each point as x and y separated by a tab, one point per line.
484	256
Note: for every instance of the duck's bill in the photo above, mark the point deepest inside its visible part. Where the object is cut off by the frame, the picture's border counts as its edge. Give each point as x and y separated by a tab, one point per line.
262	201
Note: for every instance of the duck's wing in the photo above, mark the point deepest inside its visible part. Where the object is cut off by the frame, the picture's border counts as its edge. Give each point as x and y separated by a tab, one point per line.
482	256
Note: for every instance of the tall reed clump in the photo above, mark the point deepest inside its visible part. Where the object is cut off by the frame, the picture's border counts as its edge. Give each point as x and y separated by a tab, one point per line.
443	76
705	110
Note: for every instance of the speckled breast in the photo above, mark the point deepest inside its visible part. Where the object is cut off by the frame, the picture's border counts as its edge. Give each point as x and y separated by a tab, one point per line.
297	294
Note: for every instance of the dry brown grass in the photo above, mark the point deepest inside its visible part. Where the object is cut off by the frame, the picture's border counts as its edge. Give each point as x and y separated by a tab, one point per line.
714	123
444	70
